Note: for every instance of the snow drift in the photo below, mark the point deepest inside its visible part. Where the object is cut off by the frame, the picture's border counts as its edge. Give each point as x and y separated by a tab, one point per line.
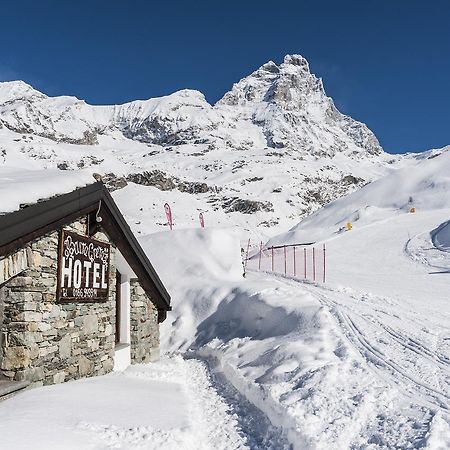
441	237
198	267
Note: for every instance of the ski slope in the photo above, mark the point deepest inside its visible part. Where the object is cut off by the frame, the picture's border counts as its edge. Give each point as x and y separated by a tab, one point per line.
424	186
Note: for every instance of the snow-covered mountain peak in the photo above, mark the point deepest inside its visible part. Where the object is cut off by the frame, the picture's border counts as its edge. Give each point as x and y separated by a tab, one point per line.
276	84
15	90
291	107
296	60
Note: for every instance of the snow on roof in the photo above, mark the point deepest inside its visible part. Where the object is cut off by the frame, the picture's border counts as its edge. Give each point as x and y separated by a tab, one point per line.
22	186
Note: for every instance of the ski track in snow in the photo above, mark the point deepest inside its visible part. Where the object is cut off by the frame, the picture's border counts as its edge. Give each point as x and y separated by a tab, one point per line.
420	248
358	327
400	360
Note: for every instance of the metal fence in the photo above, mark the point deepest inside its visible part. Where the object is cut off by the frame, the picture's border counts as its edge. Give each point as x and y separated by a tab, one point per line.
308	262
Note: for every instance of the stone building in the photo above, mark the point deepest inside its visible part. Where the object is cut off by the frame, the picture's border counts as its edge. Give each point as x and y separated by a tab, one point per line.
78	295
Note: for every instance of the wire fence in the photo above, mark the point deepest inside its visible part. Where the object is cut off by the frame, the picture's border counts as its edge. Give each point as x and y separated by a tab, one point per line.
300	261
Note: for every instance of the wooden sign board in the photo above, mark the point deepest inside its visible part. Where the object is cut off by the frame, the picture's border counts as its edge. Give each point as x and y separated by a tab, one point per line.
83	269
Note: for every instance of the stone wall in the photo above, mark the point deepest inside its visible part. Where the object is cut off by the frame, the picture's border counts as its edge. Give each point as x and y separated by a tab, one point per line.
144	326
45	342
2	315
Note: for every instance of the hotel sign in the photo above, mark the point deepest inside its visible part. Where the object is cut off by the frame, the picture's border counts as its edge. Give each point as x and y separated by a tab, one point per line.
83	268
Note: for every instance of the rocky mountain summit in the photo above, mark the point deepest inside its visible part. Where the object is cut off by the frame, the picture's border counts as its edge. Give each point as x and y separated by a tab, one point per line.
273	149
290	105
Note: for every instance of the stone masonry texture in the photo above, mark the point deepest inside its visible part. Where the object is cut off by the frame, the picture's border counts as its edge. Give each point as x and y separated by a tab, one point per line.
45	342
144	326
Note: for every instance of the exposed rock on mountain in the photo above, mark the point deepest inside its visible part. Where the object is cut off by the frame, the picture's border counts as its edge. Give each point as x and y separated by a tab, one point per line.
290	105
287	103
271	150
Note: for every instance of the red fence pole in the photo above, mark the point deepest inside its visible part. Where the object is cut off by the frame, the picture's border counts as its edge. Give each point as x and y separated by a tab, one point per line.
324	262
295	272
304	257
314	263
272	259
260	253
285	261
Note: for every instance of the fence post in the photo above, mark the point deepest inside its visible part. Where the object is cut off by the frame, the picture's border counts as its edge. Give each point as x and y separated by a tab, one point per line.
324	262
304	262
260	254
285	261
272	258
295	272
314	263
246	256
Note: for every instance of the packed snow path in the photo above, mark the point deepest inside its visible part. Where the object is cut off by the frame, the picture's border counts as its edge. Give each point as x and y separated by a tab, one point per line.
172	404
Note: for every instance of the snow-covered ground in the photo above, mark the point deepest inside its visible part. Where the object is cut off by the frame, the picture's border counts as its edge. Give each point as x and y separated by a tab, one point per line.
361	362
169	405
271	362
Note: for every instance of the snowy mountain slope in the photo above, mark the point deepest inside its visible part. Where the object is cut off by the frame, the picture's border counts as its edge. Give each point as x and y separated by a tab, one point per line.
425	185
362	362
274	148
286	106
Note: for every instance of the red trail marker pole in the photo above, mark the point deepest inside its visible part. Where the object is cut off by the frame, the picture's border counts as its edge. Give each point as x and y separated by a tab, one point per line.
304	257
295	272
314	263
168	215
324	262
260	254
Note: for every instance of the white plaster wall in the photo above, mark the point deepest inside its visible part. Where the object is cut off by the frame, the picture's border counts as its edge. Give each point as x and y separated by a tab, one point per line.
122	356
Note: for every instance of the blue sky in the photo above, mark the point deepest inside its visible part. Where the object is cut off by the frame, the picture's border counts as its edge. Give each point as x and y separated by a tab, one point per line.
385	63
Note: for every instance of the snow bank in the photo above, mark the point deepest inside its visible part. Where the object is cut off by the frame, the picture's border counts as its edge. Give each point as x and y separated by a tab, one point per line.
425	186
204	254
441	237
439	436
198	267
